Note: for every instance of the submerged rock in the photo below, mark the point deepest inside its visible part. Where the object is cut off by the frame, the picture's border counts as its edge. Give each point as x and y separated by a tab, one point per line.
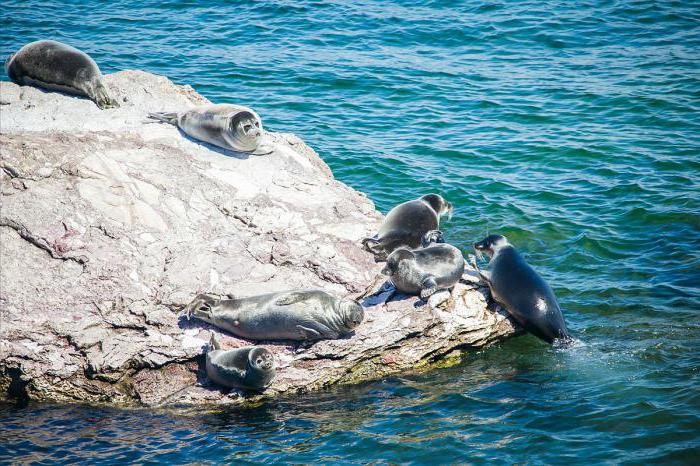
110	225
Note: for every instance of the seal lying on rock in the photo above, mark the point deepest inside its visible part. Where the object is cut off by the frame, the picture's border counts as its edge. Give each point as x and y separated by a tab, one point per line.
424	271
249	368
524	294
58	67
292	315
406	224
232	127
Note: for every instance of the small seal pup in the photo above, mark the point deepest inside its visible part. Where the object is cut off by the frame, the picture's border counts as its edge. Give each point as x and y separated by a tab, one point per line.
407	223
290	315
59	67
229	126
249	368
423	271
524	294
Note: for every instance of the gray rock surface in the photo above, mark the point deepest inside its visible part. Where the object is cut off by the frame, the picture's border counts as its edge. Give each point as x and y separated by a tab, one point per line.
109	225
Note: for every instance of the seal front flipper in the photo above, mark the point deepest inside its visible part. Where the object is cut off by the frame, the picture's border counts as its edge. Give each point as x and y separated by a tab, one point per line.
308	333
292	297
428	287
484	274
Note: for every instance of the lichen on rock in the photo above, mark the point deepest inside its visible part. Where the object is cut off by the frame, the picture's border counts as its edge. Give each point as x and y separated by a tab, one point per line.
110	225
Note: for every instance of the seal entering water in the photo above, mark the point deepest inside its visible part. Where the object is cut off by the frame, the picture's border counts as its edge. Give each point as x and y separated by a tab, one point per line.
59	67
524	294
229	126
250	368
406	224
291	315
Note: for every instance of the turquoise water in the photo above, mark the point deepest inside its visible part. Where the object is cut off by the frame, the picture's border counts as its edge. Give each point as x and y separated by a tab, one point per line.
571	127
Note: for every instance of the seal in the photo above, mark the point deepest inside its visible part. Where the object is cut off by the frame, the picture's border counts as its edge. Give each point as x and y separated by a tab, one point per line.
250	368
407	223
424	271
229	126
521	290
292	315
59	67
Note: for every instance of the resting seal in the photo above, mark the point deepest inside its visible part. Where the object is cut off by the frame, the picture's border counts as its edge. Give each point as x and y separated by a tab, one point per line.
232	127
405	225
424	271
524	294
292	315
250	368
58	67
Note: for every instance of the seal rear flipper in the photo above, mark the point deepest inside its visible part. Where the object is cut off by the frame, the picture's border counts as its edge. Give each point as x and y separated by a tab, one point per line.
433	236
428	287
214	343
373	245
200	307
165	117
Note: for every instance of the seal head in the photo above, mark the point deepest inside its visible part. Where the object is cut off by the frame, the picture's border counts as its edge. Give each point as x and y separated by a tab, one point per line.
245	131
352	313
439	205
491	244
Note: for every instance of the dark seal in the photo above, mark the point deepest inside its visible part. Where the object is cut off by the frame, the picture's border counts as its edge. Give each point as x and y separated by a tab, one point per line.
292	315
406	224
521	290
424	271
59	67
251	368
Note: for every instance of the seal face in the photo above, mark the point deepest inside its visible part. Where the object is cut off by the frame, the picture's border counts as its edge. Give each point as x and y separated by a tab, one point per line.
229	126
406	224
521	290
291	315
59	67
425	270
250	368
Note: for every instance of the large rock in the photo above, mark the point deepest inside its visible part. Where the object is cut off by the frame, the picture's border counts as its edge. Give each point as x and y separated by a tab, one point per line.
110	225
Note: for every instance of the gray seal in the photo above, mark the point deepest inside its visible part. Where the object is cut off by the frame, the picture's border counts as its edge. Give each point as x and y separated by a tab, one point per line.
232	127
59	67
250	368
291	315
406	224
521	290
424	271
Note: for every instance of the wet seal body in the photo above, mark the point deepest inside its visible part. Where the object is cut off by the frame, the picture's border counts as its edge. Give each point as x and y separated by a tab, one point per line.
292	315
59	67
232	127
406	224
424	271
521	290
251	368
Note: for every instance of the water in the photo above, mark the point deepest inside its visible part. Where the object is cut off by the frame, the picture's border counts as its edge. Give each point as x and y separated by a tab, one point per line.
571	127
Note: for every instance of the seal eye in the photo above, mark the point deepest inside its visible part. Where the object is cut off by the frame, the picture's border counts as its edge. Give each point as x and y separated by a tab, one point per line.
247	128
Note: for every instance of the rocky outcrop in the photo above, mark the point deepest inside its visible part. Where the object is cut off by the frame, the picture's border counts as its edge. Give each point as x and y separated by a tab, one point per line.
109	225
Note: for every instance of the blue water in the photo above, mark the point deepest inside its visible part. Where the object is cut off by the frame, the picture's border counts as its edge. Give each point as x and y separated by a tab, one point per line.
571	127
